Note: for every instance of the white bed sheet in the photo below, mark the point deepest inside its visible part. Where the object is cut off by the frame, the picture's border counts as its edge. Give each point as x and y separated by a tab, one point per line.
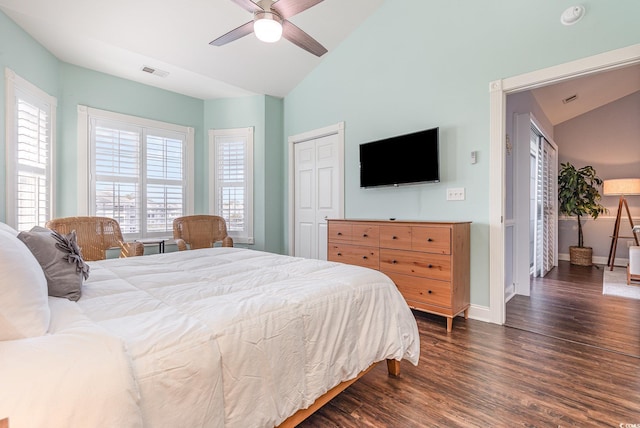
228	337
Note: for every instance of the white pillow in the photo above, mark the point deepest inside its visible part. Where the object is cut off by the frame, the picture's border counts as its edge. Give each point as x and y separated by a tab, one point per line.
7	228
24	306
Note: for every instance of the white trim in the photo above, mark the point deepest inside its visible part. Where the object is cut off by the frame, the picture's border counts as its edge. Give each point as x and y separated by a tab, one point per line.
13	81
480	313
598	260
247	133
498	91
84	177
337	129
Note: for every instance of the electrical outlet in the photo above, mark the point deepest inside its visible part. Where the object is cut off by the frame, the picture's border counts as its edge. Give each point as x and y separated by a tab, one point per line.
455	194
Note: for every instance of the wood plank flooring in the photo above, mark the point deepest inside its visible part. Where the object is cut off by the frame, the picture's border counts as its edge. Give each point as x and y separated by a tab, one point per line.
486	375
568	304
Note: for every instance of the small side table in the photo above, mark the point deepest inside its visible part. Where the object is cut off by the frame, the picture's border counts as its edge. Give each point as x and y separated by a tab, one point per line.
151	241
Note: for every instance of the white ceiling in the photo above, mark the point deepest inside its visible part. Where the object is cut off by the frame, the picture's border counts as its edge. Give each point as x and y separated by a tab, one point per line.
119	37
592	91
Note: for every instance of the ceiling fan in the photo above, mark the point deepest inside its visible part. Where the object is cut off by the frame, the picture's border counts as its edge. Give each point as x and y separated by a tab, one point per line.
270	22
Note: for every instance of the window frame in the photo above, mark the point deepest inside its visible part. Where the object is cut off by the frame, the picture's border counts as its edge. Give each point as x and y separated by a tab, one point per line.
15	84
87	181
245	237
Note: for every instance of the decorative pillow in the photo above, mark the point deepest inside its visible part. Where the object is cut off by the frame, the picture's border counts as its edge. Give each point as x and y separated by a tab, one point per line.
61	261
24	306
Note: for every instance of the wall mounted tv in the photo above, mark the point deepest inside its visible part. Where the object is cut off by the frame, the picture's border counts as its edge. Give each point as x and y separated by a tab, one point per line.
404	159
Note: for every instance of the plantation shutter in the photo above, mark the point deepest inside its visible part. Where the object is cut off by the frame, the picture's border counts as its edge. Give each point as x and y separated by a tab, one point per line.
140	176
230	181
33	161
230	165
117	149
165	180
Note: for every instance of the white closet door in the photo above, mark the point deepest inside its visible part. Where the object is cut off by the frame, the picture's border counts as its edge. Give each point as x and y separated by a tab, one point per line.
317	194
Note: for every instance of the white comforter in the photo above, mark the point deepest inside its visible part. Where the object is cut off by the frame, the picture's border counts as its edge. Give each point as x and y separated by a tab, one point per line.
226	337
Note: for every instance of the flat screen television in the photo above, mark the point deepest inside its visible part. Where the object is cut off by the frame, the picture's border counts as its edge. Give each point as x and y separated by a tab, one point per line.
404	159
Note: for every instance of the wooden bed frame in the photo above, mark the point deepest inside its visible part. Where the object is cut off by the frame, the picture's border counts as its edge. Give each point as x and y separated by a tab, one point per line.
393	367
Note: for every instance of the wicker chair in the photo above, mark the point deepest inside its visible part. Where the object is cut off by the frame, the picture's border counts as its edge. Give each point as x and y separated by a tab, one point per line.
200	231
96	235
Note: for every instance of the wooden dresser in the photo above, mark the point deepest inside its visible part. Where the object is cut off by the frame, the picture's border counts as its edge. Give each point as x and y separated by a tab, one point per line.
428	261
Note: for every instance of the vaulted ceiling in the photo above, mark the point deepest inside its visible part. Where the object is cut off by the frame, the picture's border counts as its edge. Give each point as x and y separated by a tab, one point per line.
120	37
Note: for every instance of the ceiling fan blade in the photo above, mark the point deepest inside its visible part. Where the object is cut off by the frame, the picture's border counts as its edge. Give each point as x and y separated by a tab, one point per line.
234	34
301	39
288	8
248	5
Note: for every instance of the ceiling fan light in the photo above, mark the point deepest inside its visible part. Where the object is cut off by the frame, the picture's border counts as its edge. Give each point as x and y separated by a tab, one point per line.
268	28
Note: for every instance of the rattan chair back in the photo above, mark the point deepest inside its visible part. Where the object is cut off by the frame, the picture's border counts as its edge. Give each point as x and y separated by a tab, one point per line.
200	231
96	235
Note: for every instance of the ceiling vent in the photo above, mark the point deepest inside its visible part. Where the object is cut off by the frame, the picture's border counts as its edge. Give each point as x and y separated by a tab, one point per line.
155	71
569	99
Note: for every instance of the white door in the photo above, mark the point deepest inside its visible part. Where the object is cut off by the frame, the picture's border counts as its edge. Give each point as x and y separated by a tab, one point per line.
317	193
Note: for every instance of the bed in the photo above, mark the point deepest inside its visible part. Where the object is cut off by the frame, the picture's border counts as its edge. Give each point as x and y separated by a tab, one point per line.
220	337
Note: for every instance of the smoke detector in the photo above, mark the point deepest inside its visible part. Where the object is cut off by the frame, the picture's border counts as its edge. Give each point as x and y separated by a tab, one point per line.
572	15
155	71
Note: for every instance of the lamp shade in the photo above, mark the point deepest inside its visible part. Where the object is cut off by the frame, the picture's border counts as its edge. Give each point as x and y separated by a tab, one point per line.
267	27
622	186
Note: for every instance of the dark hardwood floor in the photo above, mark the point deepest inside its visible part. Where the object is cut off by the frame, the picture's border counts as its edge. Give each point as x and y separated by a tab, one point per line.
568	304
486	375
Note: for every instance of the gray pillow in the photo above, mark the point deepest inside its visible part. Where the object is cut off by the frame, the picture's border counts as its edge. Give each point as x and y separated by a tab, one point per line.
60	259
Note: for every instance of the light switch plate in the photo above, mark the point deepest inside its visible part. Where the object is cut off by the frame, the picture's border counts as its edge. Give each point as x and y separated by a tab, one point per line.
455	194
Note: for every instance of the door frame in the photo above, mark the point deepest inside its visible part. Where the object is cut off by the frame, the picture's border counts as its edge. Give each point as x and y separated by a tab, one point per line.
499	89
337	129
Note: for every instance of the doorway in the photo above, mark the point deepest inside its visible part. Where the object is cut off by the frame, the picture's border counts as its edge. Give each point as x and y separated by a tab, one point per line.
498	91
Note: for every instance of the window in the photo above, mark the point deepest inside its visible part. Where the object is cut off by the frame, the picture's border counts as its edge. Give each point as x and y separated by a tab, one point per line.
231	192
140	172
31	117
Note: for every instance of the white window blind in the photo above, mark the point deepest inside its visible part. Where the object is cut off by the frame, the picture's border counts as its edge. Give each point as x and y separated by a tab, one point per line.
29	154
140	172
231	164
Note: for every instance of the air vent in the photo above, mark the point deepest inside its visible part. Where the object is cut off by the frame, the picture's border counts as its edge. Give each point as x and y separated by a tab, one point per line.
155	71
569	99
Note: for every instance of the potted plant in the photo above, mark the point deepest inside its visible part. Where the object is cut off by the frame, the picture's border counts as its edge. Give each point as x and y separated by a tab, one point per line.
578	196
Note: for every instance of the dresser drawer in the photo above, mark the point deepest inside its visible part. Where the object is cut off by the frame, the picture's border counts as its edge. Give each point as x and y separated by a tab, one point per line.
354	255
396	237
434	266
431	239
339	232
364	234
423	290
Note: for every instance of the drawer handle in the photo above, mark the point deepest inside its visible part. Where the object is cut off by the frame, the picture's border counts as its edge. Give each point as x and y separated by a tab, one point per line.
429	291
429	240
339	254
364	257
394	261
339	233
364	235
430	266
394	237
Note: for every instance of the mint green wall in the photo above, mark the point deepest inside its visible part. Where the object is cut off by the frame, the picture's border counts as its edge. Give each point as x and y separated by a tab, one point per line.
417	64
275	168
260	112
29	60
98	90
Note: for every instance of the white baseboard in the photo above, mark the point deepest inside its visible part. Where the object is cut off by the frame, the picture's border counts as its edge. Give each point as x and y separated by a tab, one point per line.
598	260
480	313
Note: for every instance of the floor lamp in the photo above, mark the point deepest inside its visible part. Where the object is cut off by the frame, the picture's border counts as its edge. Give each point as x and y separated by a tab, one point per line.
623	187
